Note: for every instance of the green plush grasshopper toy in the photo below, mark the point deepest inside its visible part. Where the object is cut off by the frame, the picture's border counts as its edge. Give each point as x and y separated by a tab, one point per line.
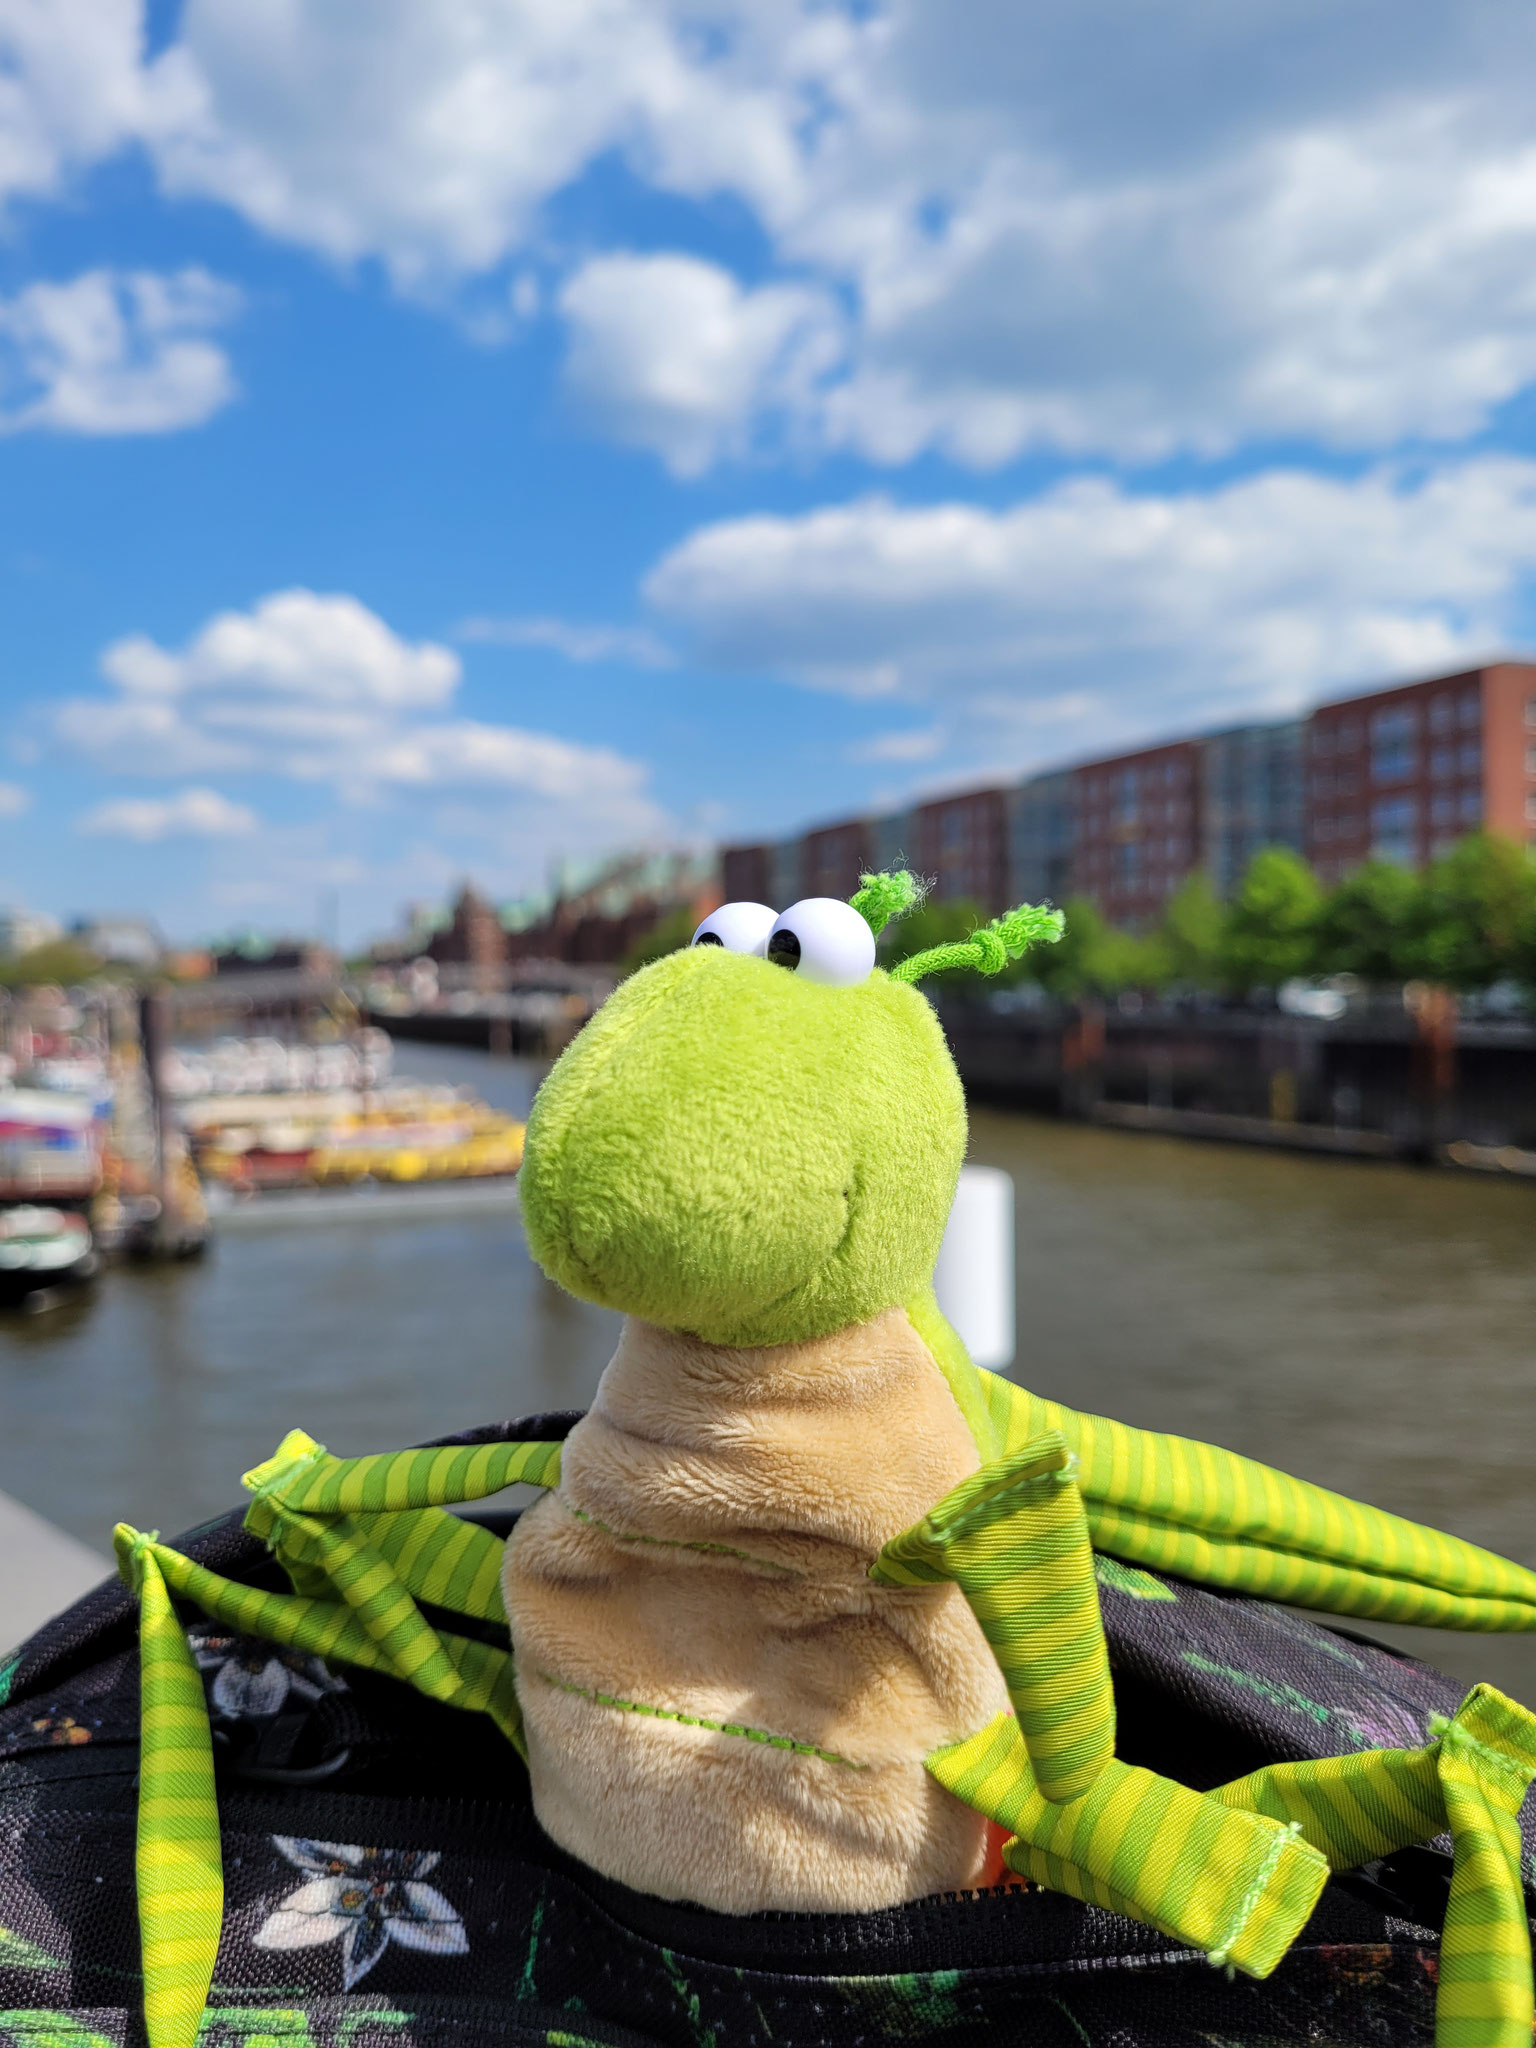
811	1614
806	1618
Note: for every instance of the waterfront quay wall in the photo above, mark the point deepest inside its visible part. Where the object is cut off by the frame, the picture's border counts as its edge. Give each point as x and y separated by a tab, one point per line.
1377	1083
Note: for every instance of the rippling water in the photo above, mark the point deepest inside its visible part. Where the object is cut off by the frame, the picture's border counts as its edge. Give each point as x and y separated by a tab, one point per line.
1370	1327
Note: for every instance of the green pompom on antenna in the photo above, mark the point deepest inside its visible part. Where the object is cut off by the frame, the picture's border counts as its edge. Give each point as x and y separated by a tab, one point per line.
879	898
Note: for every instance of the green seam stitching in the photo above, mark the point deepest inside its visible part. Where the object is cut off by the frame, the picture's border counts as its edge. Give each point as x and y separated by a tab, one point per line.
1515	1773
603	1699
1219	1955
678	1543
943	1530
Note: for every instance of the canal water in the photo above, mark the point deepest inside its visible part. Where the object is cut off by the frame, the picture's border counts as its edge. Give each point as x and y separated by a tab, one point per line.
1371	1327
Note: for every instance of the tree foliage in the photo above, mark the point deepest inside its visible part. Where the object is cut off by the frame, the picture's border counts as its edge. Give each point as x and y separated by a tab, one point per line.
58	961
1368	925
1269	934
1467	922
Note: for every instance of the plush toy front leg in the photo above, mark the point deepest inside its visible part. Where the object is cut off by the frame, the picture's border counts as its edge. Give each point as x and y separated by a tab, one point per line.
1148	1847
1014	1539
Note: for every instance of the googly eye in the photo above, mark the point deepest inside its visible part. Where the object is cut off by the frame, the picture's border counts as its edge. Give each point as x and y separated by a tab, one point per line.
823	940
739	927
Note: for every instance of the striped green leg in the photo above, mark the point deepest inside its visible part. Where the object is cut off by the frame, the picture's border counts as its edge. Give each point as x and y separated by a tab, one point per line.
1147	1847
178	1865
1472	1779
369	1529
1014	1539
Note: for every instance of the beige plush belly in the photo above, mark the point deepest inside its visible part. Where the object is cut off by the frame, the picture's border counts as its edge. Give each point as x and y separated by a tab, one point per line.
796	1780
720	1705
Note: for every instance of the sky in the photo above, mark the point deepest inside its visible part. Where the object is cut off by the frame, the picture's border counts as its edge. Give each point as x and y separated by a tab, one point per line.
444	438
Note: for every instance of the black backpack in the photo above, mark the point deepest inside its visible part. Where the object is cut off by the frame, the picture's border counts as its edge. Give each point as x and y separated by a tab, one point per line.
346	1798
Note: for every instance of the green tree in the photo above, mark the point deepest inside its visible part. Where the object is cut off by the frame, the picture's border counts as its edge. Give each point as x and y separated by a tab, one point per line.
668	935
1190	937
1269	934
1369	924
59	961
1092	957
1475	914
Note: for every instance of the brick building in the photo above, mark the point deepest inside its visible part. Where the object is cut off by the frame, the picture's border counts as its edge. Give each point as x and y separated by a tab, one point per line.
1405	773
832	860
961	844
1401	773
473	938
1138	830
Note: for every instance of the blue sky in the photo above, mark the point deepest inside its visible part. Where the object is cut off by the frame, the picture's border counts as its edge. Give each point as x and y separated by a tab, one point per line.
450	435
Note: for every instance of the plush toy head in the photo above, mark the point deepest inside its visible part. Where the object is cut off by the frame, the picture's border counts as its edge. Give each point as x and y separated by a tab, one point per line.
750	1155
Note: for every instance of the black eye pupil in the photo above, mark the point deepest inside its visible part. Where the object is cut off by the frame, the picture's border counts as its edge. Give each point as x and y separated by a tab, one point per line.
784	950
709	939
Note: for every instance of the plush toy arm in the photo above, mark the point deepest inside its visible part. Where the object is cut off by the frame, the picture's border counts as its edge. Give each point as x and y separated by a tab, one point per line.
1014	1539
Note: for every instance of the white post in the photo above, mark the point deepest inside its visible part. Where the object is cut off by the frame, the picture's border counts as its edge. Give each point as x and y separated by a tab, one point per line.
974	1275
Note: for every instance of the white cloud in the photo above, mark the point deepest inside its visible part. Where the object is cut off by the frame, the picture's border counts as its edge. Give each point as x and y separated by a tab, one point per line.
907	743
466	754
1098	614
577	643
320	689
1103	228
70	88
114	352
430	135
14	800
670	354
191	813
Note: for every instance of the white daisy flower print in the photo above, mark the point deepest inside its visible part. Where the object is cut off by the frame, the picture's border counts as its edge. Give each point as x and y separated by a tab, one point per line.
364	1899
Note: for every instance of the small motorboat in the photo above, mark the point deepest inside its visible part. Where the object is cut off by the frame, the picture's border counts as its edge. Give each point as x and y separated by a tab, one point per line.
43	1248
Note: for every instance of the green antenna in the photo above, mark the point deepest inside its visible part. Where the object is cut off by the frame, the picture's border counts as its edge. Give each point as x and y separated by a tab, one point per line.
988	950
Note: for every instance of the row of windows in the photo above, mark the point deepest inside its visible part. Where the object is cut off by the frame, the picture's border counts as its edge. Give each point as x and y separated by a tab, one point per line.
1124	785
1096	819
1395	815
1399	724
1172	848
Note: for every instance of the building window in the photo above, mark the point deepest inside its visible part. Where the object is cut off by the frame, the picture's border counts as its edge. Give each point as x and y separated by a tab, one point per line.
1394	736
1442	810
1324	830
1471	757
1442	714
1530	809
1322	738
1471	807
1322	783
1394	830
1442	762
1348	736
1472	709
